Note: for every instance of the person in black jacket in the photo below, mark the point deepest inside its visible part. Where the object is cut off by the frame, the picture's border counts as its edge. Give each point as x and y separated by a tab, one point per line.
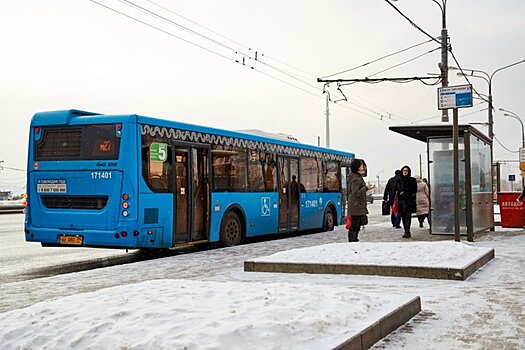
406	188
357	189
390	196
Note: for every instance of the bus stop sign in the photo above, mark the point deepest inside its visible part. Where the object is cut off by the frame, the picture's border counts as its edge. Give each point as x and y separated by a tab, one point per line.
455	97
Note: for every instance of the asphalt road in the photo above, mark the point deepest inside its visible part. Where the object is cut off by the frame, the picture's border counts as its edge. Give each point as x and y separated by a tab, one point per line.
21	260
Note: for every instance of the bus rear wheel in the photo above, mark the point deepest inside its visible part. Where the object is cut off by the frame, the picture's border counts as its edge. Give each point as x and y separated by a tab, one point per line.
231	230
329	220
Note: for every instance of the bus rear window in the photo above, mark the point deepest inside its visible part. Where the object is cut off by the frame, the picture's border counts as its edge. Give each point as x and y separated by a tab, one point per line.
88	142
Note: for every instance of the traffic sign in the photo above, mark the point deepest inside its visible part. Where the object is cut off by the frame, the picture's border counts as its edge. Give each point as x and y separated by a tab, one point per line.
522	158
455	97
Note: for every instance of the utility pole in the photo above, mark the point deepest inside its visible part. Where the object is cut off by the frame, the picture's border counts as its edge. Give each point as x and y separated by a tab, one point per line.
444	54
444	65
327	121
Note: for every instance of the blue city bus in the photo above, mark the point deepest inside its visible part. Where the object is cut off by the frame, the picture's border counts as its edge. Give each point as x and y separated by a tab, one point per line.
130	181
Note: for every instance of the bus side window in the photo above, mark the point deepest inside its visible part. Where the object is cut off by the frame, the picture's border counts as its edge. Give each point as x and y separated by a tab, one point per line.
310	174
331	176
157	174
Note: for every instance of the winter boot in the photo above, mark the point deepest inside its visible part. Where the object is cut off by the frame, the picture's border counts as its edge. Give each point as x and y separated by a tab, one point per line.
352	236
407	235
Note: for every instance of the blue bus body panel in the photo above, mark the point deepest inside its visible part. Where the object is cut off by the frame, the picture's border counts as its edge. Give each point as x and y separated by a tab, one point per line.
75	183
234	134
58	117
98	227
155	220
312	210
313	207
149	219
260	210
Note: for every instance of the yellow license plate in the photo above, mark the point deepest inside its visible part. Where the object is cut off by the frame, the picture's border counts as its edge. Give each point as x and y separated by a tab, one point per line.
71	240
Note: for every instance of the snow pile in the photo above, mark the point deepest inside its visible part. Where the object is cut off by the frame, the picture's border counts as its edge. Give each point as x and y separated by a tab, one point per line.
188	314
421	254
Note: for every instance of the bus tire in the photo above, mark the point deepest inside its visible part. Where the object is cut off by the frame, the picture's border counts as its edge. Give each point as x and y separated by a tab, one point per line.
329	220
231	229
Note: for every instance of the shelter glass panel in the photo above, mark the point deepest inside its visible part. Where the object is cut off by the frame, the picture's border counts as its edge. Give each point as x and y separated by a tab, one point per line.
441	158
482	205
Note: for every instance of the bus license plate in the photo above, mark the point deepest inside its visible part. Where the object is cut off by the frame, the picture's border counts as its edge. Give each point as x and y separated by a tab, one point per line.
70	240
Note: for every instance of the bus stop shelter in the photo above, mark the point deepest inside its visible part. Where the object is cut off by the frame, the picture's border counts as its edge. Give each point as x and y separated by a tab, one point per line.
475	173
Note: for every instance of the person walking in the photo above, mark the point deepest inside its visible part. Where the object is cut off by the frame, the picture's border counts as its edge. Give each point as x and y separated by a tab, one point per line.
406	188
422	200
390	197
357	189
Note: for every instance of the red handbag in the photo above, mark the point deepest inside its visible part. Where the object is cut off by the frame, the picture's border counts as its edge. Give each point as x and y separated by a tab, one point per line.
395	207
348	222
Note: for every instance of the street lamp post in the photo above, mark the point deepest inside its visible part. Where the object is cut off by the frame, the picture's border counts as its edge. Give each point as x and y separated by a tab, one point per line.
515	116
488	78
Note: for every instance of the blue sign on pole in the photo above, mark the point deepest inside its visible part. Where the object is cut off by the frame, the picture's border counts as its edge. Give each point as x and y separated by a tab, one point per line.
512	178
464	100
455	97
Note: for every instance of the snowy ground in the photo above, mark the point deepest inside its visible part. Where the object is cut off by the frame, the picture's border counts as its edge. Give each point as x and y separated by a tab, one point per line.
420	254
205	300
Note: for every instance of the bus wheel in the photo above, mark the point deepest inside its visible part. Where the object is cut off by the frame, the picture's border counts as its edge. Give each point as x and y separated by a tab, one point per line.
231	230
329	220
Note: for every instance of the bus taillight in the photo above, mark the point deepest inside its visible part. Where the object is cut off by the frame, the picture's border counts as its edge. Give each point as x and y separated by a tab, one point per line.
125	213
125	205
125	196
37	130
124	234
118	128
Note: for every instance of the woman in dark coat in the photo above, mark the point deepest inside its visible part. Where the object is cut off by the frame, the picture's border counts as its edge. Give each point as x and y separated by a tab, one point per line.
406	193
357	189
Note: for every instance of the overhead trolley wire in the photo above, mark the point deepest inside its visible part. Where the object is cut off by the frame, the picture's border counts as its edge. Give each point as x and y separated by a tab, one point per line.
230	39
162	30
236	51
405	62
412	22
291	75
376	60
197	24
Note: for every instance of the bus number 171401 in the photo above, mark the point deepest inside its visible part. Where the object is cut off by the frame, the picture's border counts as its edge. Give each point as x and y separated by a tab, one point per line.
101	175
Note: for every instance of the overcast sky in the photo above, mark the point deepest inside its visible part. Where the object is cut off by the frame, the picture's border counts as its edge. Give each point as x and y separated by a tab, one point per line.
59	54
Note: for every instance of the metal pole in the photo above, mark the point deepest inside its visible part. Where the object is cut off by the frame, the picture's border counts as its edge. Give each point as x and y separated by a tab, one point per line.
455	137
327	121
420	166
444	63
491	118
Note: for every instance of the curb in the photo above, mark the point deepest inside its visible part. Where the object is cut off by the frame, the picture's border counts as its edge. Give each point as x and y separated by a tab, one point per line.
379	270
383	327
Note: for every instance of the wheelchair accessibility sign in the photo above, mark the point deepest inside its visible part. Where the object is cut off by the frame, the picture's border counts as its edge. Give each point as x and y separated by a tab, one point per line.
265	206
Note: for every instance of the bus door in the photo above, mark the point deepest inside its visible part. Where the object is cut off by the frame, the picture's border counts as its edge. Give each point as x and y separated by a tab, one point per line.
288	170
192	194
344	189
